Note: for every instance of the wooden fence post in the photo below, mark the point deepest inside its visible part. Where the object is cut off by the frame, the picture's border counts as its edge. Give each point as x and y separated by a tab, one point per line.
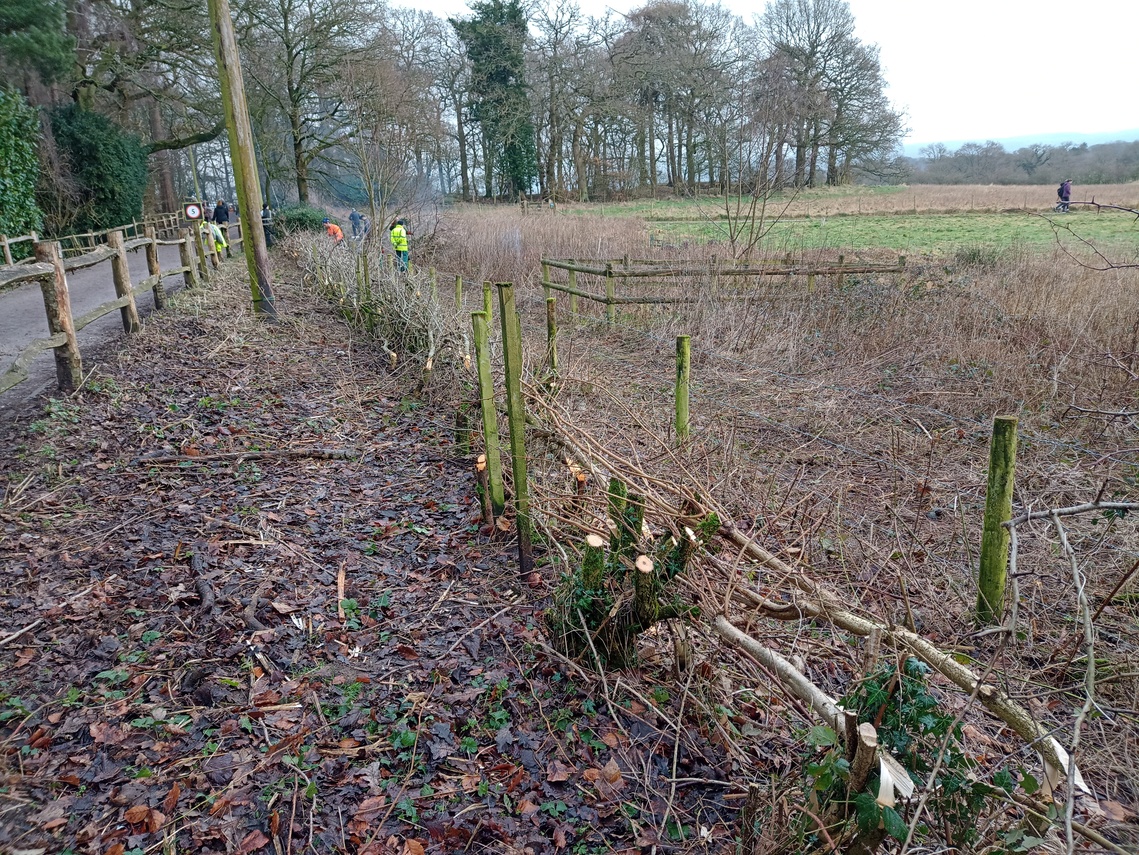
551	336
683	375
186	256
841	276
458	292
486	302
479	321
516	416
546	279
610	294
154	268
572	276
7	249
810	283
57	304
998	510
121	274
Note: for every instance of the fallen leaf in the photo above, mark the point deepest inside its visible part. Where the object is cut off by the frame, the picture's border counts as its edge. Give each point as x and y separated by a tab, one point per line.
1116	812
413	847
557	771
253	841
612	772
137	814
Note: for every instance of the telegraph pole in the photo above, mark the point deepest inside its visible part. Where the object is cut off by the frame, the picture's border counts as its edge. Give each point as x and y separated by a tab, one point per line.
244	160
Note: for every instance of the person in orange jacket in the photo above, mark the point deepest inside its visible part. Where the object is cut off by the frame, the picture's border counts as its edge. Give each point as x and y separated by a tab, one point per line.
334	231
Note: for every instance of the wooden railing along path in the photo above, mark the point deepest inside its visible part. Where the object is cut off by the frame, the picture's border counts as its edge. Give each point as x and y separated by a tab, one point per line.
49	267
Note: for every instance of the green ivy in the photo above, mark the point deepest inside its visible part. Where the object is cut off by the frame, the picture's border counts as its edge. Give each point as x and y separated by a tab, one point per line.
299	218
19	166
108	165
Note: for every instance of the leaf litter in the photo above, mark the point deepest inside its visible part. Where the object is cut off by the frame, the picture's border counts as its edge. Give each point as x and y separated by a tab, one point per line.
248	607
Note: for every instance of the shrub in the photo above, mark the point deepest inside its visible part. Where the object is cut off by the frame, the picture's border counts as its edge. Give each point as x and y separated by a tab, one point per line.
299	218
19	166
108	165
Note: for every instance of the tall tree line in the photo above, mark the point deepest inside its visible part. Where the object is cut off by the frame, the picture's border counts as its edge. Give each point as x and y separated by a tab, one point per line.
369	105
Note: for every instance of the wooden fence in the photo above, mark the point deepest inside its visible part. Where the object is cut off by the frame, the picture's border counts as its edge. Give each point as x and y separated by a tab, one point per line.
166	227
636	270
49	267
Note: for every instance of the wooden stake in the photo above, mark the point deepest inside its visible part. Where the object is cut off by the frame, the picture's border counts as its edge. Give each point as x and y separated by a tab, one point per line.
57	304
244	159
154	268
487	303
121	274
516	416
7	249
610	294
998	510
186	256
683	375
458	293
201	234
546	279
572	276
489	416
551	338
483	477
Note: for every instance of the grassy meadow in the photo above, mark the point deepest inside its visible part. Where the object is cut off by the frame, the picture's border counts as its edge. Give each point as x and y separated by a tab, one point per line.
934	220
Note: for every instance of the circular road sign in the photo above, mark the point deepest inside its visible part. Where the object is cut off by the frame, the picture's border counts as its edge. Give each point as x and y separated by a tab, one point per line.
193	211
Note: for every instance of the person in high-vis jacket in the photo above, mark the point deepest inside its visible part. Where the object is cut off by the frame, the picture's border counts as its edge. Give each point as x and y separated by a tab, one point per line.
399	244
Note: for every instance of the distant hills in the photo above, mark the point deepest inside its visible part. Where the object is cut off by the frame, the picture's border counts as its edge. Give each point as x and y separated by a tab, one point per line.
1013	143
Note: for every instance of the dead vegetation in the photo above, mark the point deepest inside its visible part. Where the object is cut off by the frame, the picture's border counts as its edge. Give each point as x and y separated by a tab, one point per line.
847	431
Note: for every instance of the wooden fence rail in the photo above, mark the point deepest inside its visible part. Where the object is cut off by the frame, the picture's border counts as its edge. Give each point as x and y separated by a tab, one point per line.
630	270
165	225
50	269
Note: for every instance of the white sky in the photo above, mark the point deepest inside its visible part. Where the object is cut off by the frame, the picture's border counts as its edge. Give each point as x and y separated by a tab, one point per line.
983	69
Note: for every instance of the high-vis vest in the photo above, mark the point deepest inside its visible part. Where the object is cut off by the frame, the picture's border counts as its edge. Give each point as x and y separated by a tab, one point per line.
399	239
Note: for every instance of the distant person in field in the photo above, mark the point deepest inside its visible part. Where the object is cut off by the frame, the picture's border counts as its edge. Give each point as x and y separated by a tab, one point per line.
221	213
356	219
1065	194
334	232
398	232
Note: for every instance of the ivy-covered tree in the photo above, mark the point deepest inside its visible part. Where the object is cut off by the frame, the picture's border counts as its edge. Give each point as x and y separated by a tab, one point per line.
495	40
107	166
19	166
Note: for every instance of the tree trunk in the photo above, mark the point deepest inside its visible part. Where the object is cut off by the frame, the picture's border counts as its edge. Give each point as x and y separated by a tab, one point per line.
579	162
164	172
461	137
300	162
487	167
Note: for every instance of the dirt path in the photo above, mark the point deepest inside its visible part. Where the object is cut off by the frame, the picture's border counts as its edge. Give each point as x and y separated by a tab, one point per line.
22	318
247	606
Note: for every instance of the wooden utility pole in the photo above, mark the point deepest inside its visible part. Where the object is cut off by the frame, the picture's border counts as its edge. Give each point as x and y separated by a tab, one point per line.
244	158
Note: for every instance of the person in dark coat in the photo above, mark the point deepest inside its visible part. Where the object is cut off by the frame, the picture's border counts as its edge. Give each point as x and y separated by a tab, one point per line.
221	213
1065	194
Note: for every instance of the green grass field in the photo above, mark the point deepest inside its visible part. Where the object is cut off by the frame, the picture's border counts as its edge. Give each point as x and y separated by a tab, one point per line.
929	233
931	220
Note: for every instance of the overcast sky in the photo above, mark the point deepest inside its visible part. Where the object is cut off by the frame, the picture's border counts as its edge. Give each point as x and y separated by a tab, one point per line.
983	69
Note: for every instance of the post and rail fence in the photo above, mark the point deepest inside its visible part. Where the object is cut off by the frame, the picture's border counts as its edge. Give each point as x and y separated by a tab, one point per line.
626	271
50	264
